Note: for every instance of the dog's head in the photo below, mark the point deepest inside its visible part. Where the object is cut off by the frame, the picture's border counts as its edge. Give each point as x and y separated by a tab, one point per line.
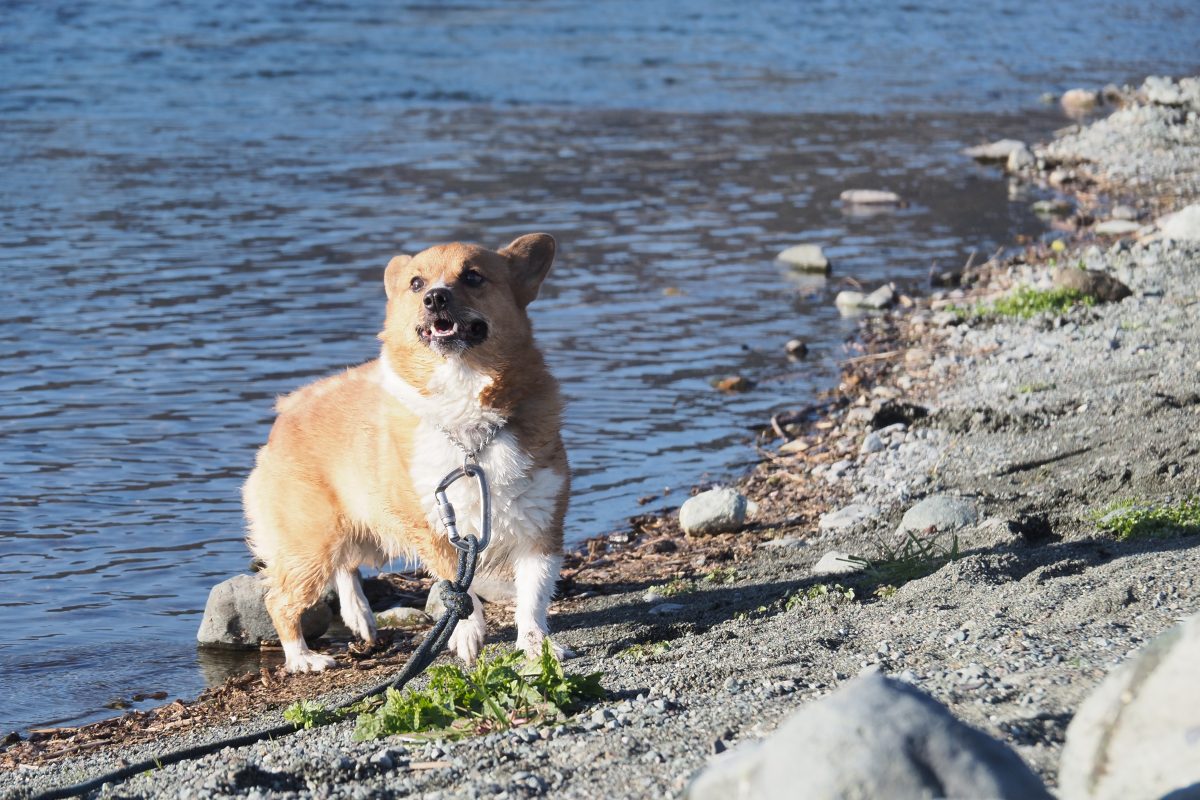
464	301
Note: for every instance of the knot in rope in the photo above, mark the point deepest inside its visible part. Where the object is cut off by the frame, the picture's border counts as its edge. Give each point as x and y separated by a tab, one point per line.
455	600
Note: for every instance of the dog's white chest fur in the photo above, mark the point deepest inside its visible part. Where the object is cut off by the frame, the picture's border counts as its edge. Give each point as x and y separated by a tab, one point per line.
524	496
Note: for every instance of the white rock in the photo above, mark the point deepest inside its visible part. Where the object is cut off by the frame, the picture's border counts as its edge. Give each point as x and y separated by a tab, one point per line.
794	446
838	469
714	511
995	151
942	512
871	443
666	608
850	301
881	298
836	562
1079	101
806	257
1052	208
847	517
1137	737
1183	225
847	300
944	319
1116	227
1163	91
869	197
785	543
384	759
1019	159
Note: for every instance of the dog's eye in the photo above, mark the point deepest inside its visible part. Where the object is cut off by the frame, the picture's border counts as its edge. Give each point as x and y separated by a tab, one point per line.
472	278
417	283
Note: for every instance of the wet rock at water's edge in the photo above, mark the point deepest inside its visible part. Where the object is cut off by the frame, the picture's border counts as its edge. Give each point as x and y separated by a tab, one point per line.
236	615
805	257
995	151
869	197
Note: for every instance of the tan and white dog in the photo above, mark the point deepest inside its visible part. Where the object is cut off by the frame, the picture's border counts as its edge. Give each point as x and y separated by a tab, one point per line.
348	473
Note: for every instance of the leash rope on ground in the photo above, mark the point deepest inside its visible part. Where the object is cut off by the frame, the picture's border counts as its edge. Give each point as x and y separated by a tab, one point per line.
459	606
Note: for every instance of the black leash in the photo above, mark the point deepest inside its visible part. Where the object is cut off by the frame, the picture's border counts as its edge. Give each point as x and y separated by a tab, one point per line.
458	607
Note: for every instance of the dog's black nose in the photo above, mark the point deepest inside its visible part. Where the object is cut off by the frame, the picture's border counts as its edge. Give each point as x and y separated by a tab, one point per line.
437	299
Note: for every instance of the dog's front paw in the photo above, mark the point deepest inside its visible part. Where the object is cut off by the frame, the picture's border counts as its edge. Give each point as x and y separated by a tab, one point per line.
308	662
531	645
467	639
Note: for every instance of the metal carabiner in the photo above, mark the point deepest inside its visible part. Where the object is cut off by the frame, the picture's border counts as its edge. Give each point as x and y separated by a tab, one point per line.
446	510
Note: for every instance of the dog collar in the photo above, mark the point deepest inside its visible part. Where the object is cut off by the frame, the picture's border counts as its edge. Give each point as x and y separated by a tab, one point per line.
471	455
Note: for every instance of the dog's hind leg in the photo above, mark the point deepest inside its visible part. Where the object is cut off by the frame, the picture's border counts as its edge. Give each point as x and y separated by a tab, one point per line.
293	539
290	593
356	612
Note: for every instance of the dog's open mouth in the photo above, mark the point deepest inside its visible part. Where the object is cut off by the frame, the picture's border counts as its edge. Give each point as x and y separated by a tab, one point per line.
444	331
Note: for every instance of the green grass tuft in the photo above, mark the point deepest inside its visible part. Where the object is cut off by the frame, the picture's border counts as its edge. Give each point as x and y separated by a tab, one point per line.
499	692
308	714
1128	519
818	593
917	556
722	576
502	690
675	587
645	650
1028	302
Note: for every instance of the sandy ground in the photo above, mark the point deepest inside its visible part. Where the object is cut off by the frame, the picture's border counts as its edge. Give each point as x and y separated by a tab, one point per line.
1038	423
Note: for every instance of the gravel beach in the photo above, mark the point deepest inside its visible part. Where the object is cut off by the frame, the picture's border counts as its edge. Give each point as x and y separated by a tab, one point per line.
1015	434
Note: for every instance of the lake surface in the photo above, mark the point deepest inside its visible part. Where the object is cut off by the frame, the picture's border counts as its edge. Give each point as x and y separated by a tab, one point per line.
196	205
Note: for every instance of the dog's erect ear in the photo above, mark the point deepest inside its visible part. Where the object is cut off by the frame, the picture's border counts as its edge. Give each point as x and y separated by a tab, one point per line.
529	258
393	274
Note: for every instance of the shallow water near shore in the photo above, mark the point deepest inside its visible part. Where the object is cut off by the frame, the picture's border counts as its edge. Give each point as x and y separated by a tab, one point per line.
197	210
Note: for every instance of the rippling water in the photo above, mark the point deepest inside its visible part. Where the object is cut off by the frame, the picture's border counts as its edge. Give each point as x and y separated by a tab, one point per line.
196	205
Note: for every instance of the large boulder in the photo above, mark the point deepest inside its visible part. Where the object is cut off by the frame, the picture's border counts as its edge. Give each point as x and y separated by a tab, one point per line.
1138	735
236	615
876	737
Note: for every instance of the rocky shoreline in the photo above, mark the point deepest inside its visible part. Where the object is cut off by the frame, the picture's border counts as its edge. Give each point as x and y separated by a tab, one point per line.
965	467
